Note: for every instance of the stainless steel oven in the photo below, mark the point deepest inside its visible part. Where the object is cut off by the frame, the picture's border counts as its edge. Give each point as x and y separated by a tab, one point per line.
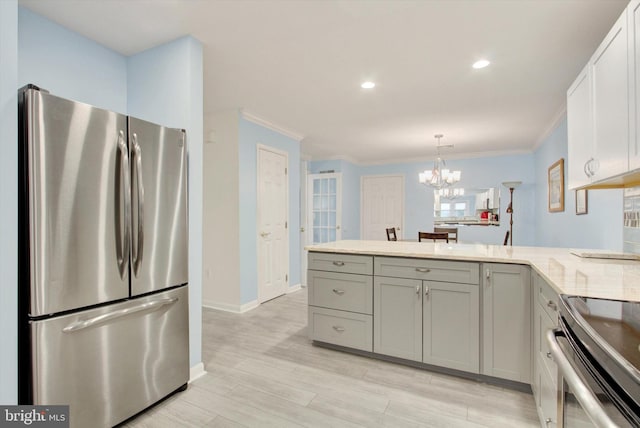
597	350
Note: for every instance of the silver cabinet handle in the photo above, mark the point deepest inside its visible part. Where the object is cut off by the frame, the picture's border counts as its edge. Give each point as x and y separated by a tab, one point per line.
338	292
104	318
426	291
418	290
125	188
549	355
139	251
552	305
265	234
423	270
548	421
585	168
488	273
338	263
583	394
338	328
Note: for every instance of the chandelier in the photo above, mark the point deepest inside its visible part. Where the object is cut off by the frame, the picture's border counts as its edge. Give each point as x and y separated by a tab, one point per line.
440	176
450	193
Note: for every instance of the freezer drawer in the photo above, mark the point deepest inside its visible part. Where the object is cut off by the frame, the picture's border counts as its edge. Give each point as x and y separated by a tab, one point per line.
112	362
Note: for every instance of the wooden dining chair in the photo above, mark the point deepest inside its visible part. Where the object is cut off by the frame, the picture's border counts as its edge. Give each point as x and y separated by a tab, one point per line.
451	231
433	235
391	234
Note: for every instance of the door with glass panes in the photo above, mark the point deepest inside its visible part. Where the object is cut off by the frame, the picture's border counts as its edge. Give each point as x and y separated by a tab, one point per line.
324	207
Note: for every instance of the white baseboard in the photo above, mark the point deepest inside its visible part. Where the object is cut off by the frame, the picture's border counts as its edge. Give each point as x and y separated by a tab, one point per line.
294	288
196	371
228	307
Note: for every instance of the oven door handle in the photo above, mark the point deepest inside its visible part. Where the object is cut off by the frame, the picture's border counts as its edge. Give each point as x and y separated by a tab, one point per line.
583	394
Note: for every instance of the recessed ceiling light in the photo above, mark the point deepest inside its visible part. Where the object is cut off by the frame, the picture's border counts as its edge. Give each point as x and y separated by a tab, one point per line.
481	64
368	85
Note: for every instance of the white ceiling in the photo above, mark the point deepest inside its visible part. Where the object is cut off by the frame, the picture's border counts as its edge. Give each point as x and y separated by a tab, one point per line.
299	65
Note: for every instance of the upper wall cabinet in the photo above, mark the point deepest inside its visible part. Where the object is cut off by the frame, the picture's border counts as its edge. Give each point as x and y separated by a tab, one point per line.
633	15
599	103
580	130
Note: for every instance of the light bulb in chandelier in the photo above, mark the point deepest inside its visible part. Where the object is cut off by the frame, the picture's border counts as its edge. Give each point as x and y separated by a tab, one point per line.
439	176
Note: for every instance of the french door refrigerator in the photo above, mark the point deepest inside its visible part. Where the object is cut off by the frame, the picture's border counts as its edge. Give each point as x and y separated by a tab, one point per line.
103	260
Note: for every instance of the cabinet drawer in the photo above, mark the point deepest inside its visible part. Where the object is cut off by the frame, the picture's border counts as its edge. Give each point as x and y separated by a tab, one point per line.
345	263
341	328
544	354
433	270
547	298
344	291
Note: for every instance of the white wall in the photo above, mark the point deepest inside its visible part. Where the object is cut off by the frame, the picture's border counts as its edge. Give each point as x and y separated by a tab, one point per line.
70	65
9	196
221	224
165	86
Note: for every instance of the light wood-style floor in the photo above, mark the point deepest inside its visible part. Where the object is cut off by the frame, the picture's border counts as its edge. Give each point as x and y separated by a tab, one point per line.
264	372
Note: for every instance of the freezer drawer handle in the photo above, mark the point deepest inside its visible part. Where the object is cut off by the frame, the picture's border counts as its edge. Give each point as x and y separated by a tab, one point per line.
104	318
585	397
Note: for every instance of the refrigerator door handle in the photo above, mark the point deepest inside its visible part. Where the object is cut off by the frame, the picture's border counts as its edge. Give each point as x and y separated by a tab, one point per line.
125	188
110	316
139	251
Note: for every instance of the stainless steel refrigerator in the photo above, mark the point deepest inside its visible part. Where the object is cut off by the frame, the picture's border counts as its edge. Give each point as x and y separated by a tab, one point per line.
103	276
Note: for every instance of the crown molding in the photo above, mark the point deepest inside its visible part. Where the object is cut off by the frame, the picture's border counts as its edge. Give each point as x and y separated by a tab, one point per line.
559	117
270	125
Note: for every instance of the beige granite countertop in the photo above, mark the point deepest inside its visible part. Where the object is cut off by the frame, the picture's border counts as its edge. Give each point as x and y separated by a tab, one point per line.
567	273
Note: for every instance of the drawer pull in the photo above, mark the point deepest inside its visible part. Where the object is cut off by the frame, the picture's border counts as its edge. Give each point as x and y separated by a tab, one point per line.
423	270
338	328
417	290
552	305
549	355
338	263
548	421
426	291
338	292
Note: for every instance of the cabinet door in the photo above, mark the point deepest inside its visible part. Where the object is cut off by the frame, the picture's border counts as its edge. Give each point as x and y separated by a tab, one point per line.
579	129
633	12
397	317
506	321
450	332
610	83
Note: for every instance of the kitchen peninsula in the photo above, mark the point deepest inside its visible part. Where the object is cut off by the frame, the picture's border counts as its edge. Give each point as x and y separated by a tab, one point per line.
479	311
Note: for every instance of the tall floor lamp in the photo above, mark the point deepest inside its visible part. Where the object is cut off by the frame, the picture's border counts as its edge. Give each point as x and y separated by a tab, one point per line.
511	185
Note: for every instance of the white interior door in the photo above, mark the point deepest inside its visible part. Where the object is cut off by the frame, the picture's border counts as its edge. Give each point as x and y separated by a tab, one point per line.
273	232
324	207
382	205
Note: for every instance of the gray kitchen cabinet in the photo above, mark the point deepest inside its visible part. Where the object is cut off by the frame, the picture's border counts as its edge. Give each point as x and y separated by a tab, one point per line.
341	299
340	328
397	317
545	372
450	330
506	321
427	269
436	322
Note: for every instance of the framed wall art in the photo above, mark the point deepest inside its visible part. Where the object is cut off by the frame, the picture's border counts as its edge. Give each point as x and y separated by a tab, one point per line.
556	186
582	204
